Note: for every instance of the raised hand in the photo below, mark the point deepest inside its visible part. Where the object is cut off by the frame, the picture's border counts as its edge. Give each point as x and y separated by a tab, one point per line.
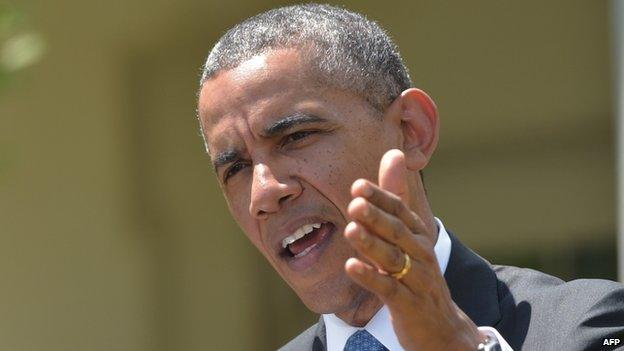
383	230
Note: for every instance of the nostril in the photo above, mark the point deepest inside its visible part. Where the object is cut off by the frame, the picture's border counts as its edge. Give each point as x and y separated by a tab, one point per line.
284	198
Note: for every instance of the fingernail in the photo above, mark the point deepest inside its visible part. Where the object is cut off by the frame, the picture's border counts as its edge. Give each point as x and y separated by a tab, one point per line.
351	227
367	190
359	269
361	202
363	236
366	210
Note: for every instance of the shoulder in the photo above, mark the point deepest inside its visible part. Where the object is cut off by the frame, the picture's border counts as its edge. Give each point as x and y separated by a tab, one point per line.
579	313
529	284
303	341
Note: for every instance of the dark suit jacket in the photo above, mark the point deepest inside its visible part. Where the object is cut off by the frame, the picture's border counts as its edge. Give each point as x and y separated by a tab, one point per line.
531	310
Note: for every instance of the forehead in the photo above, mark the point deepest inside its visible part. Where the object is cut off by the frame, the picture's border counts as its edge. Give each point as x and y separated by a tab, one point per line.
265	87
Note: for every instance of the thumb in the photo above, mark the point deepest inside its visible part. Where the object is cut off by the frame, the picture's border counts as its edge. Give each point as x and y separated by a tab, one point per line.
393	174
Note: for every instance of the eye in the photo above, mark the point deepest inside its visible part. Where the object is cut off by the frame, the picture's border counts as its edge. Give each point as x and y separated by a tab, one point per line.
296	136
235	168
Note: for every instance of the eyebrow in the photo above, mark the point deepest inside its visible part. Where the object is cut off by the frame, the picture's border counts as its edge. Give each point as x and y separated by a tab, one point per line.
225	157
288	122
280	126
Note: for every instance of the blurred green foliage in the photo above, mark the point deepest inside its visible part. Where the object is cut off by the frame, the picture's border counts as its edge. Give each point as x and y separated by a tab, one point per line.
20	47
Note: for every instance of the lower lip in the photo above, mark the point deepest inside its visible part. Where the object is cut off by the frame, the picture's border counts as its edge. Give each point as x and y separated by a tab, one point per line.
308	260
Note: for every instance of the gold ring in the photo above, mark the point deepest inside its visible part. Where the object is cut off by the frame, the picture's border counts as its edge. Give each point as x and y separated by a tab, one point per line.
406	268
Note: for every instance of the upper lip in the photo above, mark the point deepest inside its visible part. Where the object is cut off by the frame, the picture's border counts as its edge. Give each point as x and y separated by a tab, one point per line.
291	226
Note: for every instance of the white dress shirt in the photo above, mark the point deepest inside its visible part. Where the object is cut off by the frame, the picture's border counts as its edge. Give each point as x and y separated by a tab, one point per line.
380	326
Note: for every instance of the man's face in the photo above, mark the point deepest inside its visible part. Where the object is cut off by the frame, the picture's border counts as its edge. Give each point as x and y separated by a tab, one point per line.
286	152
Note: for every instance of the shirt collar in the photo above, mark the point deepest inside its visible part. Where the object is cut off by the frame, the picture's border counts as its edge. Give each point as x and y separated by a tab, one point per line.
380	326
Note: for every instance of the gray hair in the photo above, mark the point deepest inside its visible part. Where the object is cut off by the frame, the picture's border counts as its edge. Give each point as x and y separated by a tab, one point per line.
346	50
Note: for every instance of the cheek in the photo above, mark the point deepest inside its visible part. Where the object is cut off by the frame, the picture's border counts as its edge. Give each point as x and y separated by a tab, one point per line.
333	168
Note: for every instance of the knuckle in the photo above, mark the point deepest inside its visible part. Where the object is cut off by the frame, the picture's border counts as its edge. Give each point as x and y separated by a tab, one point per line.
426	250
419	223
396	259
396	229
429	258
424	243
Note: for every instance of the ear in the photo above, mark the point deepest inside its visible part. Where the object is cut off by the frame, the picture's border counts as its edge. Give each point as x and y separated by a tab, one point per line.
418	116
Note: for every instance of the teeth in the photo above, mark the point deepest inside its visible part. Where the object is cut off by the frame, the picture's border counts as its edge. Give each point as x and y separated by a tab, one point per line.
304	252
300	233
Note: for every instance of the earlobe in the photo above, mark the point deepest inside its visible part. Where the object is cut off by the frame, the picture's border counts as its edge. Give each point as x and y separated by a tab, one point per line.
419	124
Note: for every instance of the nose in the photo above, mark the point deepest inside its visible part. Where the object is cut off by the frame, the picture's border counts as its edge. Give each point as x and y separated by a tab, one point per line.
268	193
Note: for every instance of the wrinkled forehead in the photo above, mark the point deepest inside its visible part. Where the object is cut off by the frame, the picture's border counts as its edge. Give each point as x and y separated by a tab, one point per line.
260	88
268	73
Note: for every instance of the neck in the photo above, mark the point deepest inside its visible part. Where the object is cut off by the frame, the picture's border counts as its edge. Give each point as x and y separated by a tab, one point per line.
420	205
368	304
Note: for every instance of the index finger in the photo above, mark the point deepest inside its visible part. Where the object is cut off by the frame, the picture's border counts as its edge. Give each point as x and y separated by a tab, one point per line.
388	202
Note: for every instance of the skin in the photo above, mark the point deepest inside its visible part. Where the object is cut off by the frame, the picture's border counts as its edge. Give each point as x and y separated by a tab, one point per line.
329	169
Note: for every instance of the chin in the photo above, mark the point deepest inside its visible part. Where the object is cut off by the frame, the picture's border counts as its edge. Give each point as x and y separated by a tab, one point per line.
332	297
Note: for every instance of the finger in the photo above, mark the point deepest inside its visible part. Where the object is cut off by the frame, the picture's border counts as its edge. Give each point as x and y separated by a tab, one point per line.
391	229
383	255
386	257
393	174
389	290
389	203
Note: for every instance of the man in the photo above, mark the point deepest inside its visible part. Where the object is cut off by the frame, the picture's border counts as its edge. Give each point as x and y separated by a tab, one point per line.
318	140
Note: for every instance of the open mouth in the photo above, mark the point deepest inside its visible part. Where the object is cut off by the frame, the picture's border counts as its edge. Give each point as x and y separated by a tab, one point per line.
305	239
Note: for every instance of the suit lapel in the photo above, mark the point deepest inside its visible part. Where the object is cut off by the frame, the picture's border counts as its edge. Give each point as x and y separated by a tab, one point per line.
473	284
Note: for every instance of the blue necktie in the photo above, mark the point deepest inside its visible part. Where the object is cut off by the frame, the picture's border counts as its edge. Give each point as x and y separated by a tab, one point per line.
362	340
